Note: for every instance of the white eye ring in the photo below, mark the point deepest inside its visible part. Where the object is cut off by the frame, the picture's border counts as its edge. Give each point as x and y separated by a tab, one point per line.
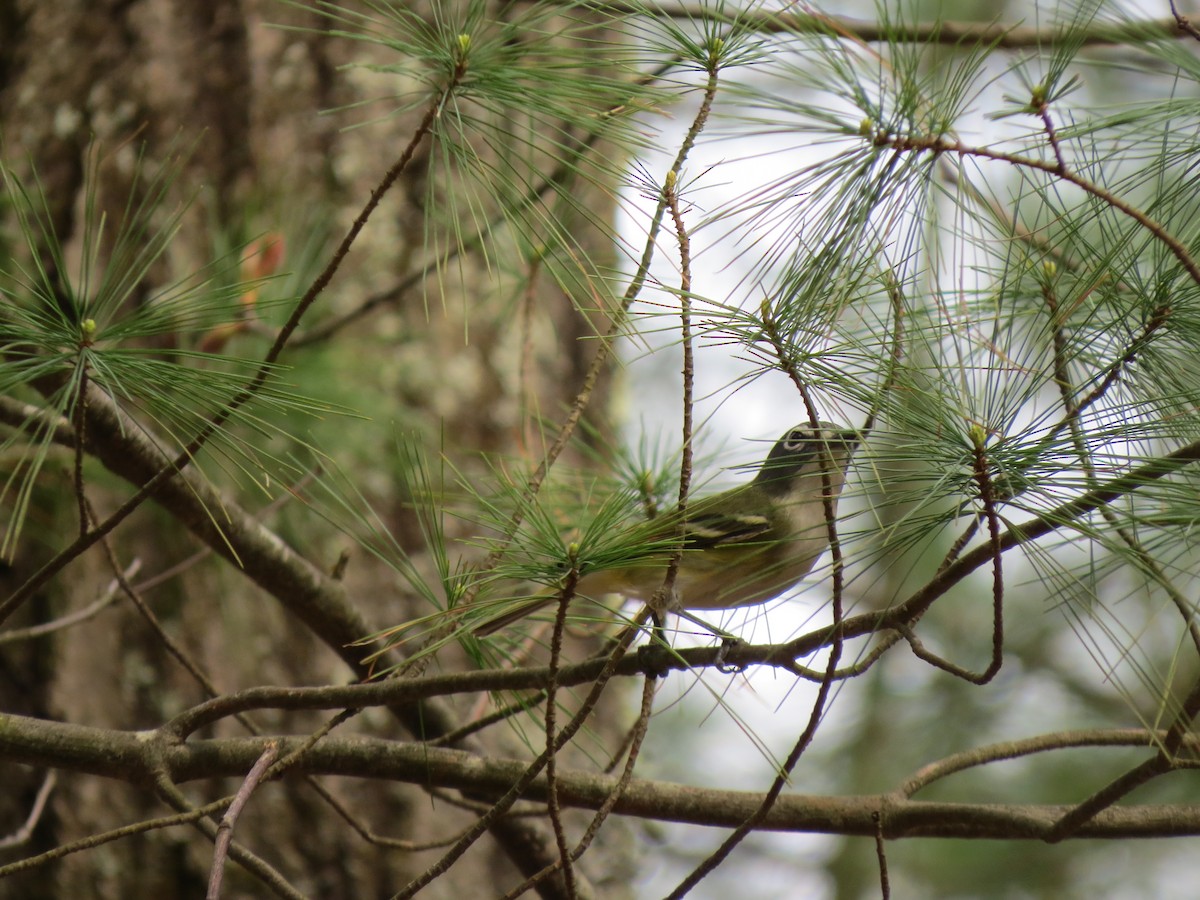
796	440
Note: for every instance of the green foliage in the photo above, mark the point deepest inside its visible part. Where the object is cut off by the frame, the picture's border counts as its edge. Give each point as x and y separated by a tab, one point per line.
522	101
98	321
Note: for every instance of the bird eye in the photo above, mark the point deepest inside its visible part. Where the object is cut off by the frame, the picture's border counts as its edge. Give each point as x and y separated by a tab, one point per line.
796	439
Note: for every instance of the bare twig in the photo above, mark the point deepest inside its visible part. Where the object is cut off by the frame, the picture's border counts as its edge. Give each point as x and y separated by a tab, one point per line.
492	718
1184	23
229	819
25	832
267	874
107	837
556	643
1045	743
373	837
960	544
887	640
885	888
88	612
671	195
1043	112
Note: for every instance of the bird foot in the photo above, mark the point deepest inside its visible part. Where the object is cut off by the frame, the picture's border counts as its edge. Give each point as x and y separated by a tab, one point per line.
728	644
656	659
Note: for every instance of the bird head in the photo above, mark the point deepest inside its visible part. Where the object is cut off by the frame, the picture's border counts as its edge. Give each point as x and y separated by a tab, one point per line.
804	450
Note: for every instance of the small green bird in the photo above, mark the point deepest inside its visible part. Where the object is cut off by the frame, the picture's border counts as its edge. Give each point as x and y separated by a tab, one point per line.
740	547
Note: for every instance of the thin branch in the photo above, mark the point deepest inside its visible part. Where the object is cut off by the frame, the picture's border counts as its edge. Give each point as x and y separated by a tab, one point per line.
824	690
107	837
492	718
399	692
896	357
923	653
825	686
946	33
25	832
566	595
173	647
88	612
960	544
559	178
1015	535
1008	750
528	808
987	497
886	642
1184	23
885	888
296	754
80	426
671	194
266	874
373	837
1103	799
1072	410
1043	112
758	817
228	821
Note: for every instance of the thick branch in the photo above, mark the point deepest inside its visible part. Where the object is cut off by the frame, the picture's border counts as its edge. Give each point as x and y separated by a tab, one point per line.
307	593
132	756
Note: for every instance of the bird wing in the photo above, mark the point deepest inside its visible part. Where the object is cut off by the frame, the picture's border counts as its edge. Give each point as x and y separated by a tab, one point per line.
706	530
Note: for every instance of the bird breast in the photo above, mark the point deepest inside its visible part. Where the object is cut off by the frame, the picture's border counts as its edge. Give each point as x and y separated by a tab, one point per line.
732	575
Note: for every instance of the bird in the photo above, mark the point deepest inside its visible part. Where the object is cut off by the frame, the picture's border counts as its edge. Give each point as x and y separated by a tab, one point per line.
740	547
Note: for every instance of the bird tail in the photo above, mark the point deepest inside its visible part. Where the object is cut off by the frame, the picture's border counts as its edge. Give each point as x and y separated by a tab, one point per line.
515	614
